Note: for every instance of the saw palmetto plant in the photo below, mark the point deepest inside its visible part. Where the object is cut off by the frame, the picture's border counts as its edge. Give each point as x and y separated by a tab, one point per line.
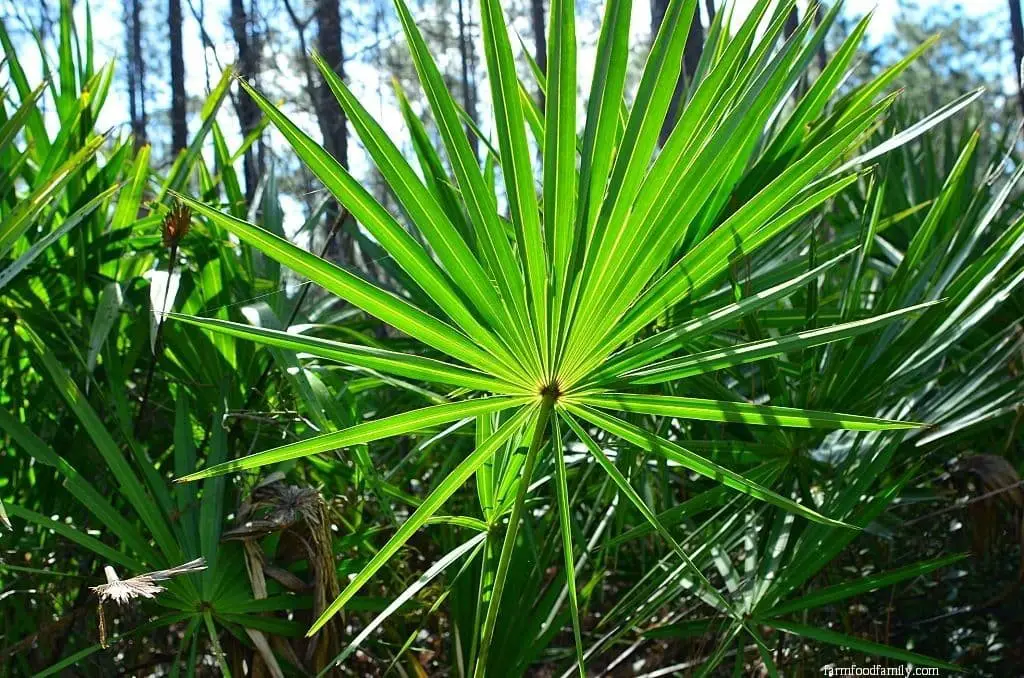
560	301
81	217
672	379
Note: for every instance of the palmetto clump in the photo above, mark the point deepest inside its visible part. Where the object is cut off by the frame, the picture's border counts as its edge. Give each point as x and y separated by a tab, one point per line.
123	591
553	313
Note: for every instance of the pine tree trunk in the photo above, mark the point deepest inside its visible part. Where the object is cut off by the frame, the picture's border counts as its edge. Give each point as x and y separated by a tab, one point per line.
179	124
331	119
788	29
822	54
136	74
540	39
692	52
328	43
248	111
1017	35
468	94
694	47
792	23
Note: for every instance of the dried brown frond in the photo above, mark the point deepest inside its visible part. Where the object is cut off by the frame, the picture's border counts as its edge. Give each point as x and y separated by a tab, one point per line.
301	516
996	502
123	591
276	507
991	482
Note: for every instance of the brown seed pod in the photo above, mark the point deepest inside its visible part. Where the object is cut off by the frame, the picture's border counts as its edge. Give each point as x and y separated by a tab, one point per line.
176	224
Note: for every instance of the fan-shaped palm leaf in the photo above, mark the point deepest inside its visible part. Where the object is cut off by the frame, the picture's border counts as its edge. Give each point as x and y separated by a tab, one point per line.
566	310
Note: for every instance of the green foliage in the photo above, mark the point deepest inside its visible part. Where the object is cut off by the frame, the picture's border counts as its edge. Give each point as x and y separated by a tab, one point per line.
661	391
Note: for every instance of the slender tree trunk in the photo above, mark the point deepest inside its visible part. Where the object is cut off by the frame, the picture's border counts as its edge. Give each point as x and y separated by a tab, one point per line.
328	113
788	29
540	39
179	124
133	88
792	23
658	8
248	111
692	52
468	92
1017	34
694	48
822	54
328	43
136	74
331	119
709	6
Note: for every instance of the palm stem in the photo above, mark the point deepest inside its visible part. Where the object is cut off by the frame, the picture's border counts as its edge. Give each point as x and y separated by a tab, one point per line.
505	559
158	343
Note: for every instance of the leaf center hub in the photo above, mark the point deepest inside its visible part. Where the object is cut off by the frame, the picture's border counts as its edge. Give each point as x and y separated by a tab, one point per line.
551	391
